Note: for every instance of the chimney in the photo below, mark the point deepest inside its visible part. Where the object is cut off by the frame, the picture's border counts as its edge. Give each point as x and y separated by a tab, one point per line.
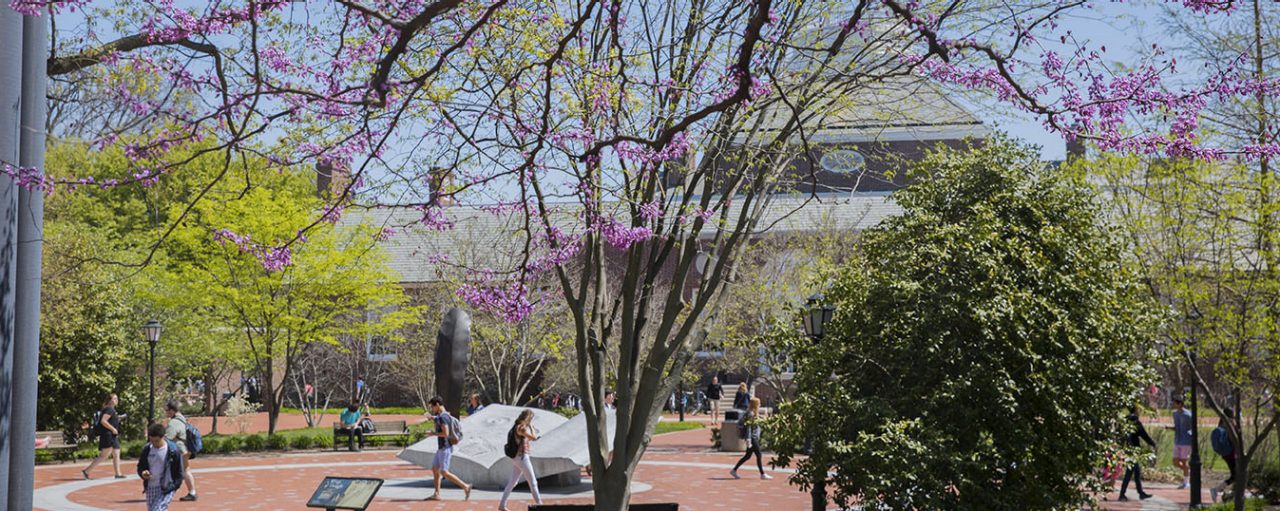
331	178
1075	148
440	180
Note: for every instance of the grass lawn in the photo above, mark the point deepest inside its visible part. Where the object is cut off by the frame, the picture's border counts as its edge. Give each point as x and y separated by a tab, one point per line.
673	426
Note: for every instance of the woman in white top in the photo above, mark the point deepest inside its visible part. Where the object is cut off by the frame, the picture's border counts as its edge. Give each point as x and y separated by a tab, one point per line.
521	436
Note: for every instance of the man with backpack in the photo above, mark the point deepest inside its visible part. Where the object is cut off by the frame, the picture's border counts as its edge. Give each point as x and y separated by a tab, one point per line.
185	436
1225	448
448	433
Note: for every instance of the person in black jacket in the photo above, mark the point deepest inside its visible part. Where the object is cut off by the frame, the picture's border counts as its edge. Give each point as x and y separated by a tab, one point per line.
1137	435
714	393
160	467
743	398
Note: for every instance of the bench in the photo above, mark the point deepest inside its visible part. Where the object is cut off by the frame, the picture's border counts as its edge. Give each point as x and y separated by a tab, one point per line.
381	428
58	443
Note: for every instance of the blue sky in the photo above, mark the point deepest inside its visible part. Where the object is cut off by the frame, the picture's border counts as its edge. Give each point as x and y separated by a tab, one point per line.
1127	29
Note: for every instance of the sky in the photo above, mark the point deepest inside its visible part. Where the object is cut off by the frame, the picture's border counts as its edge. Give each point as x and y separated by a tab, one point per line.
1125	28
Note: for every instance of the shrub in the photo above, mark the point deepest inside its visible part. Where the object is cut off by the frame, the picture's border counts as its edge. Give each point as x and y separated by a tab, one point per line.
255	442
131	449
229	444
1249	505
1264	480
303	442
277	442
211	444
568	412
324	440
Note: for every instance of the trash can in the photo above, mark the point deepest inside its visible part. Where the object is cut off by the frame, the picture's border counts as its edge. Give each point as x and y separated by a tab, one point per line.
730	440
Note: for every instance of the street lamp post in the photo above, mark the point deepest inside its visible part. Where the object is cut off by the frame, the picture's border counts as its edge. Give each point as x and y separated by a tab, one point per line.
151	331
1195	435
816	316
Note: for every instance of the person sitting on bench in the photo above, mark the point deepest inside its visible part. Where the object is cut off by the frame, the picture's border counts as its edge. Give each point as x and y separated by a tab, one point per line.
351	426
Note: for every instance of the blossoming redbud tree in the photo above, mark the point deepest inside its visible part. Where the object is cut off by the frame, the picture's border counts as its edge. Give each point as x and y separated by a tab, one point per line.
629	138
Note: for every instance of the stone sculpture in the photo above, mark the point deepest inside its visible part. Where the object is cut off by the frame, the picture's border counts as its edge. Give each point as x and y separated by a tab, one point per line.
558	456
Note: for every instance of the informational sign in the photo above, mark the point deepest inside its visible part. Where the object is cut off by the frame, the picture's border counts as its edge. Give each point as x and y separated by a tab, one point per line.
353	493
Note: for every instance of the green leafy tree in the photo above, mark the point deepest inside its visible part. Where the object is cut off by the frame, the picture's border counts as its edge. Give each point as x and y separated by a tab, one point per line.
272	313
982	350
88	340
1199	237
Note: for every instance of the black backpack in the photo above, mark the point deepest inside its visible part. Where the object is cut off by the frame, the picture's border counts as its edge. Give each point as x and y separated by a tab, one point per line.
367	426
95	426
512	448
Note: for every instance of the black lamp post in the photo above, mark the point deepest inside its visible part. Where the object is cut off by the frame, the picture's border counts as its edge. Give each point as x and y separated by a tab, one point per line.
816	316
151	331
1195	434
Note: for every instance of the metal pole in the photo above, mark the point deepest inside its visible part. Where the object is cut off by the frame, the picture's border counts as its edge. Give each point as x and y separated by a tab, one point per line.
151	416
1195	442
10	108
26	350
681	400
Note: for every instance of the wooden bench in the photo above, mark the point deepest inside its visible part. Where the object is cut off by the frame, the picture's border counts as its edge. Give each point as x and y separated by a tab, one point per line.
57	442
381	428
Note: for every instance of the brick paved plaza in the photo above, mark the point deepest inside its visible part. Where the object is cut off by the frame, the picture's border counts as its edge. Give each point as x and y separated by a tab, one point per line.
677	468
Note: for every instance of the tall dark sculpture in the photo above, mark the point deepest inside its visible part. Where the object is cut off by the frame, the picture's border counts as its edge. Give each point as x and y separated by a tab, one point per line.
453	351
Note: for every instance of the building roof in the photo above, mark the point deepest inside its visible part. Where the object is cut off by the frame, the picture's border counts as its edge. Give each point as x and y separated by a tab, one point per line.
892	111
483	239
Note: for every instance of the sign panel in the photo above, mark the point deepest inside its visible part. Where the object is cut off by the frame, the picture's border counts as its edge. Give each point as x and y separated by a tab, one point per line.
353	493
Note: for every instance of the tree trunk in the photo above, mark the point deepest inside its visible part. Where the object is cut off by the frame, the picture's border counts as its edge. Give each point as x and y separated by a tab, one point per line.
1241	482
269	397
613	490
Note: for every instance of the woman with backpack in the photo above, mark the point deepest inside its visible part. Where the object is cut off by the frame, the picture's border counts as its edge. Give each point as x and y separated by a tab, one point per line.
160	467
106	425
749	428
177	432
519	440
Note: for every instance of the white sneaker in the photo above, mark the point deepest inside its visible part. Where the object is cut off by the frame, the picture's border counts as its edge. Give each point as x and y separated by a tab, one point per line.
734	473
766	477
1182	486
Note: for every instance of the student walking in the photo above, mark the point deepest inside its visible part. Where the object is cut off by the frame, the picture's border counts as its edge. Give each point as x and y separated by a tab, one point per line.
1137	435
714	393
106	424
1182	425
750	429
743	398
160	467
1226	449
447	434
176	432
519	441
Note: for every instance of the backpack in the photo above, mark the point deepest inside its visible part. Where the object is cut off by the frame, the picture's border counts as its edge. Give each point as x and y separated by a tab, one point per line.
367	426
455	430
195	443
95	426
512	448
1222	442
742	426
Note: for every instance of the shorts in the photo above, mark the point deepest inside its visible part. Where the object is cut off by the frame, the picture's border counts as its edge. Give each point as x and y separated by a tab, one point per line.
1181	452
441	460
108	441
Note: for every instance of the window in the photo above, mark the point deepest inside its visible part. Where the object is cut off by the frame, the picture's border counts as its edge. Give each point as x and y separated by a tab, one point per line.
842	161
